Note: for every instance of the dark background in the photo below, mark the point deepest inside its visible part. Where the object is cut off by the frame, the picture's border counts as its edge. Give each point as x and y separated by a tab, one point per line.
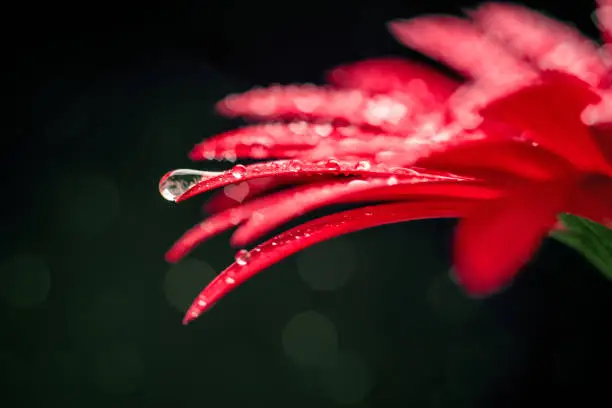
109	97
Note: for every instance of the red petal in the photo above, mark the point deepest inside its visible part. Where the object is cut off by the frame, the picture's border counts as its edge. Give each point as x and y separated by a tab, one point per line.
551	114
297	202
260	141
221	201
593	200
390	113
498	237
385	75
382	149
313	232
603	134
268	212
458	43
546	42
289	140
467	102
286	168
482	157
600	113
215	224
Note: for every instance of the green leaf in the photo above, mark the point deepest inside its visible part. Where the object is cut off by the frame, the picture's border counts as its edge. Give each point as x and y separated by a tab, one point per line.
591	239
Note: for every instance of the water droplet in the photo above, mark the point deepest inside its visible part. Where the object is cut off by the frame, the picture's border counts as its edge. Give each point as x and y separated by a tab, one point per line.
333	165
242	257
175	183
401	170
391	181
363	165
295	165
238	171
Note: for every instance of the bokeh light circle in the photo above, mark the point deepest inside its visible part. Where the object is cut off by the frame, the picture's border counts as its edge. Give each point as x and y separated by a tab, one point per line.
310	339
185	280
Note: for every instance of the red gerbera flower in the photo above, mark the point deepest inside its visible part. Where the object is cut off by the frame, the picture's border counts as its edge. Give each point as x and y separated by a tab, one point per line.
524	139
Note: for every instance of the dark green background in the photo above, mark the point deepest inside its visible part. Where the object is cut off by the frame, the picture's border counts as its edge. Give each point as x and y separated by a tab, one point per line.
109	98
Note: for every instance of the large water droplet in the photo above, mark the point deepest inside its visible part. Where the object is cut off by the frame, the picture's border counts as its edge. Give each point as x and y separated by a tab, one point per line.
175	183
391	181
238	171
363	165
242	257
332	165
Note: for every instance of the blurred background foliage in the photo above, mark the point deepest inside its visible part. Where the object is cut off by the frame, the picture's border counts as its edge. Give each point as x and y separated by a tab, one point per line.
111	96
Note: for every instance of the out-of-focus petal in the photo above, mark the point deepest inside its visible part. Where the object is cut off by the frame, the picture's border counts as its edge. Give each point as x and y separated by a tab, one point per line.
498	237
489	159
385	75
382	149
469	99
603	135
550	113
311	233
459	44
600	113
391	113
546	42
261	141
593	200
306	140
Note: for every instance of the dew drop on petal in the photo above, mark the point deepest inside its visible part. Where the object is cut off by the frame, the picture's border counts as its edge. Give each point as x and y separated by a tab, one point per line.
238	171
332	165
295	165
242	257
391	181
175	183
363	165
